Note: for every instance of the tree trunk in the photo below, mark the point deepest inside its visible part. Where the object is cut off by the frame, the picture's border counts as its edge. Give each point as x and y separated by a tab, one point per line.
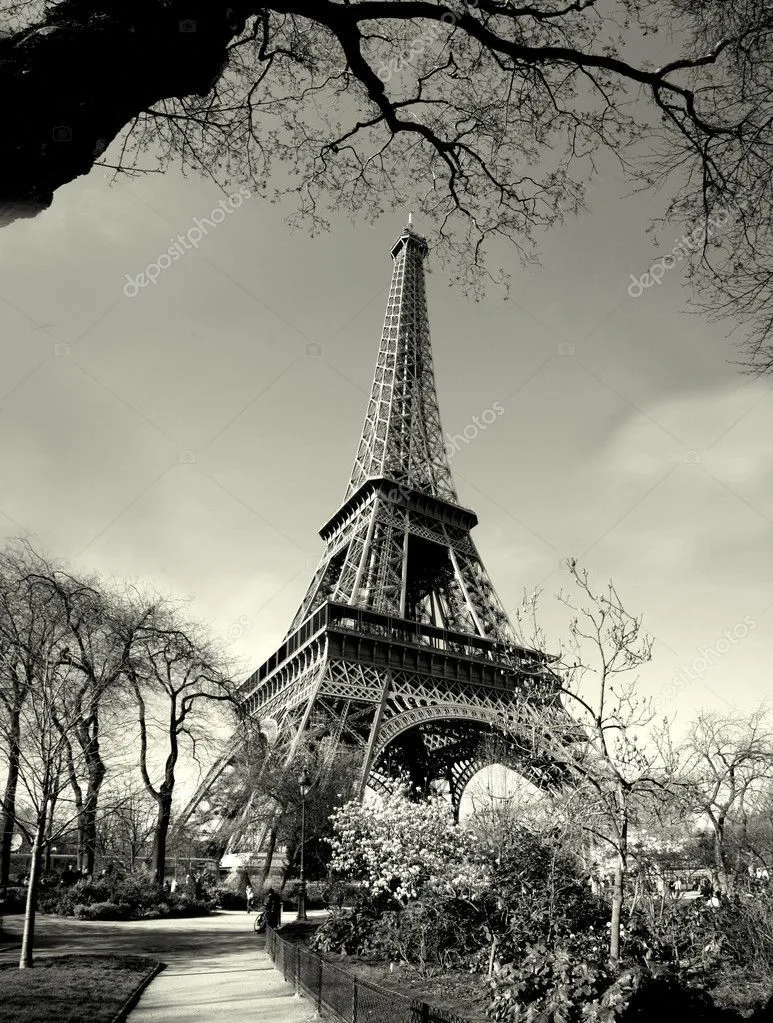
49	833
28	938
617	909
272	836
158	856
77	797
618	886
89	816
9	795
76	77
720	859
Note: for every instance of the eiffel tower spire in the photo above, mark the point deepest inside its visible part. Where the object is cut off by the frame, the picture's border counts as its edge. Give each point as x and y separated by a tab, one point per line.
400	543
402	438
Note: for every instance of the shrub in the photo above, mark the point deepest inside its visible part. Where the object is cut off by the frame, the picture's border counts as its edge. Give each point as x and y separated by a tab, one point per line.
702	938
184	905
558	985
134	896
316	893
339	893
224	897
643	993
429	934
347	930
542	896
102	911
743	930
433	934
14	899
402	849
549	984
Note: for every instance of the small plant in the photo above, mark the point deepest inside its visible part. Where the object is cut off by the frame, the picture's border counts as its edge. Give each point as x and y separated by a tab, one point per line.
553	985
344	930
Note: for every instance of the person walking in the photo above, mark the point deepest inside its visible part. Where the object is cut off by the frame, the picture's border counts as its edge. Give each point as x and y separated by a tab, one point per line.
250	896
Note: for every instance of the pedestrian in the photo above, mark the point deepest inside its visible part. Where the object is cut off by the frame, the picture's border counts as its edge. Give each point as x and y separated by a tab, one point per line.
250	896
272	908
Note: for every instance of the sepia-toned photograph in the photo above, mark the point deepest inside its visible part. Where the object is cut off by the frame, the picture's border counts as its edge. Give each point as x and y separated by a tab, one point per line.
386	511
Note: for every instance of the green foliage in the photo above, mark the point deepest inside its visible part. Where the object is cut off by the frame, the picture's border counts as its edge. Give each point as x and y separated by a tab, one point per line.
338	892
225	897
431	895
429	935
557	985
14	899
346	930
705	939
542	895
438	934
317	893
553	985
743	931
533	913
132	897
101	911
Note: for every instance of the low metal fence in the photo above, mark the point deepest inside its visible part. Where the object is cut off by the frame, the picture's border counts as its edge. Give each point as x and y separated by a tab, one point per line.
342	995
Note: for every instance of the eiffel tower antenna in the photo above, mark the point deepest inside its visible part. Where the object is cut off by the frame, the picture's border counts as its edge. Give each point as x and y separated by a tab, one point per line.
400	649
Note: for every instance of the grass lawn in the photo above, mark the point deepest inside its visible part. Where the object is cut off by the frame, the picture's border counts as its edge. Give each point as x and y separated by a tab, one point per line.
70	988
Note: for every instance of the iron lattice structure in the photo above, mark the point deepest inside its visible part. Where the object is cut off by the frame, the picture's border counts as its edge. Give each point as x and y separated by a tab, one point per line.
401	648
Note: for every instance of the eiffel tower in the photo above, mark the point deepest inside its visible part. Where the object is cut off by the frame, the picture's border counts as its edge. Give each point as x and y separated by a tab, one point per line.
401	649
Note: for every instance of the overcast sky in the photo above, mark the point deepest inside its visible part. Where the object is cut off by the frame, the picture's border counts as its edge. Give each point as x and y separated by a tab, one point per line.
197	435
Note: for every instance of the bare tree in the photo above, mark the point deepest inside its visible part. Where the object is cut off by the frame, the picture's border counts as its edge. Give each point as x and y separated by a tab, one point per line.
594	735
17	670
126	823
33	641
177	676
493	115
100	638
725	768
757	831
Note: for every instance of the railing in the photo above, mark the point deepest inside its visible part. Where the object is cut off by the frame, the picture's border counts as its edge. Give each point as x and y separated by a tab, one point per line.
342	995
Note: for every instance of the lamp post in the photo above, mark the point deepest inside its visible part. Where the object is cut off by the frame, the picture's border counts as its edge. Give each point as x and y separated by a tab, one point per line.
304	784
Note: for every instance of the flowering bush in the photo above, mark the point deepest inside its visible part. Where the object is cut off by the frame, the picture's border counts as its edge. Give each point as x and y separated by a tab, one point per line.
403	850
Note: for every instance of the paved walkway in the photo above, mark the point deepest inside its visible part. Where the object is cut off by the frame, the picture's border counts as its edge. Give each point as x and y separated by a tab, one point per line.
217	968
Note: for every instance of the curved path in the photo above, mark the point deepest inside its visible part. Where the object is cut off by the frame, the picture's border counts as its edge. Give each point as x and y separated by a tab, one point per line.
216	966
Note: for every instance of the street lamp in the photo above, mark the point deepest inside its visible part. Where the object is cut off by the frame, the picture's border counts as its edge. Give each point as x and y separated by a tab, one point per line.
304	784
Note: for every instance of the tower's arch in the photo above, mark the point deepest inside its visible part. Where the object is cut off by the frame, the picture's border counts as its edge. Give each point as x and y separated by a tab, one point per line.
444	747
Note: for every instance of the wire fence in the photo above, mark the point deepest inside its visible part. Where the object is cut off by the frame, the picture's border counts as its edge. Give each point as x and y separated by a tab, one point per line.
342	995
